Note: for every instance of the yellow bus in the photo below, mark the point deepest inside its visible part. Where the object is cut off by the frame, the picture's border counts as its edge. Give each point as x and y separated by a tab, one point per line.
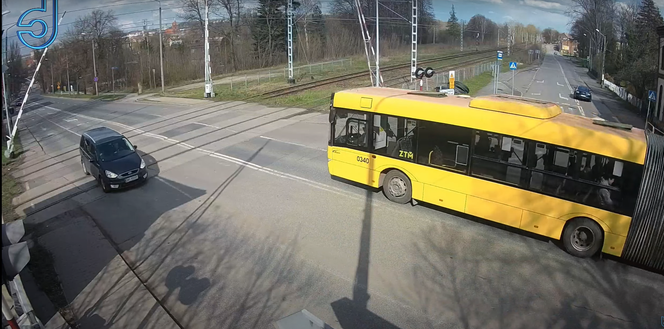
516	161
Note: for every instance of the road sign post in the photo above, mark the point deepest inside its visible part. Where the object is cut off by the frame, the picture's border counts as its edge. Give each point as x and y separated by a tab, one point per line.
513	69
499	57
651	97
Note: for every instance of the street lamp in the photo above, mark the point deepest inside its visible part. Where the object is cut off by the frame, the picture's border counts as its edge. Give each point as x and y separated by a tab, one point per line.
161	49
94	65
603	54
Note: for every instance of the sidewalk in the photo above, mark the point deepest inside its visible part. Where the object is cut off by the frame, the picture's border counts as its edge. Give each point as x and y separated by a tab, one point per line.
98	287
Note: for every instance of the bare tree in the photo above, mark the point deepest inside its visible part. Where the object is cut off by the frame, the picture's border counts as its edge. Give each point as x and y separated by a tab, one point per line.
194	11
232	9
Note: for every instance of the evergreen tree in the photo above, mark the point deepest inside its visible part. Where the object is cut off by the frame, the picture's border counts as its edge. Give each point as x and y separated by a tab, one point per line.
269	30
453	27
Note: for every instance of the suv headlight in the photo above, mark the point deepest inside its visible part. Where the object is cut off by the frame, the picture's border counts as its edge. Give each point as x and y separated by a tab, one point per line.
142	164
111	174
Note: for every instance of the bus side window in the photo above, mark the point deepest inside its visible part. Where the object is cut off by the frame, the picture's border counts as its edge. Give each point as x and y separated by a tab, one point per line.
444	146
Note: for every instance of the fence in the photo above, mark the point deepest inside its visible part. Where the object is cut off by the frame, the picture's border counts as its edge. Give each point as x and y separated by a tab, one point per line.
461	74
656	123
282	74
622	93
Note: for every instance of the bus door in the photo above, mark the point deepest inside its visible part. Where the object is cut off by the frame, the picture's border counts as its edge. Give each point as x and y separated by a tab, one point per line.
350	155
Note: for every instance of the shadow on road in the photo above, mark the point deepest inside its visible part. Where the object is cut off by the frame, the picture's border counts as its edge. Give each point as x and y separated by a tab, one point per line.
79	241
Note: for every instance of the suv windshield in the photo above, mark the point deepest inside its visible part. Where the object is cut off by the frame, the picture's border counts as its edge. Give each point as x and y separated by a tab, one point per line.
114	149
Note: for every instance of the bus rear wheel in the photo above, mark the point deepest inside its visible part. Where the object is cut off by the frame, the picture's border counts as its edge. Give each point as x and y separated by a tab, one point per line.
582	237
397	187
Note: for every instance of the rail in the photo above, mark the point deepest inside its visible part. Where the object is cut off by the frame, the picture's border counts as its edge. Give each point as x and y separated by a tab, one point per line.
349	76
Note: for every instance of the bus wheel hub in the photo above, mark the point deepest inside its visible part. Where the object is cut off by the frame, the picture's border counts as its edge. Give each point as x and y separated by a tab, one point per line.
397	187
583	238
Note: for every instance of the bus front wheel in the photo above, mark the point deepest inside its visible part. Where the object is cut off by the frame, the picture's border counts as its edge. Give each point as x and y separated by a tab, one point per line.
397	187
582	237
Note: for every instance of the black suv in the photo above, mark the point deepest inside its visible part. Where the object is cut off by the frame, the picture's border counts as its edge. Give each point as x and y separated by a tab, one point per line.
111	159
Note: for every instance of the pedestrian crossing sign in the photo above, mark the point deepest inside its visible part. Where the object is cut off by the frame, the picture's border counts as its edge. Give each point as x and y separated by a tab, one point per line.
651	95
512	65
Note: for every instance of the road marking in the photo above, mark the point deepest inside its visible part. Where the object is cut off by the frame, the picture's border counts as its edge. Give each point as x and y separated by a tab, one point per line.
207	125
296	144
531	80
540	81
581	110
565	104
174	187
71	119
536	94
564	76
67	129
561	96
560	84
227	158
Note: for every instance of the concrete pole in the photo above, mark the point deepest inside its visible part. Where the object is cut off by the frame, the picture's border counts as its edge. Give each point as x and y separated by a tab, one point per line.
68	85
52	83
161	51
94	67
208	73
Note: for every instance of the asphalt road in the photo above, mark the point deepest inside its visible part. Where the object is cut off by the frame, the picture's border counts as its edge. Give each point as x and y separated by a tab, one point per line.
241	198
554	81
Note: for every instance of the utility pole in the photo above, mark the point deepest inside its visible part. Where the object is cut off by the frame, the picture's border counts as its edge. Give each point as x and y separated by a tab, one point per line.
603	55
94	66
413	41
68	83
161	50
509	41
209	92
377	48
4	86
435	28
291	78
498	39
52	83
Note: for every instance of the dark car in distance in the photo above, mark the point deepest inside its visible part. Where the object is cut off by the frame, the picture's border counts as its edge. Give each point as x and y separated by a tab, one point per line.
111	159
583	93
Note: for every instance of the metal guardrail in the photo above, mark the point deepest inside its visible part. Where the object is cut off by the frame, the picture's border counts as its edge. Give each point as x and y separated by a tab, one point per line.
651	128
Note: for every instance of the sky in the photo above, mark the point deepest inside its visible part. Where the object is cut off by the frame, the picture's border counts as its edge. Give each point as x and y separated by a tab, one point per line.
131	13
540	13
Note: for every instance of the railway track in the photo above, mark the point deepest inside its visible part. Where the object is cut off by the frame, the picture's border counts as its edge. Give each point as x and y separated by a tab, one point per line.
331	80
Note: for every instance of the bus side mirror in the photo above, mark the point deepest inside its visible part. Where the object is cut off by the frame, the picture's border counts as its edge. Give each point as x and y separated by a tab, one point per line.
333	115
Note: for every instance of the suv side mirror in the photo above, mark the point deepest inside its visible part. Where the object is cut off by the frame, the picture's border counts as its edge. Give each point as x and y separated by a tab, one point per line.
135	146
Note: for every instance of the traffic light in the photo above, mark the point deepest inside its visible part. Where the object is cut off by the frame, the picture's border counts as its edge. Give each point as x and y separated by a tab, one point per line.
15	254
